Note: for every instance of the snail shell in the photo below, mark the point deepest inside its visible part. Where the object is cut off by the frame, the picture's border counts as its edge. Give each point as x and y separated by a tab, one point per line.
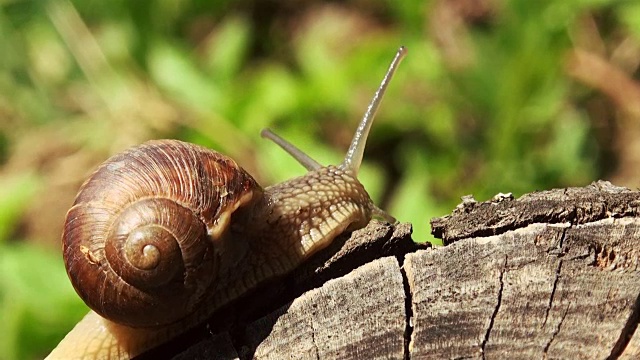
140	242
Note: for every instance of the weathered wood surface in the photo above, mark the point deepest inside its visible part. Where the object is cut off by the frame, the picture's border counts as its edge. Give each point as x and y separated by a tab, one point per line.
553	274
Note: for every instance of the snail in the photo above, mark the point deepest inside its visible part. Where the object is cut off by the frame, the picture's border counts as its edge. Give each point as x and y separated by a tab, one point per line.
163	234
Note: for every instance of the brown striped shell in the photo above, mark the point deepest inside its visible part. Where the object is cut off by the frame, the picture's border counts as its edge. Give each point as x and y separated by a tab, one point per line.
149	225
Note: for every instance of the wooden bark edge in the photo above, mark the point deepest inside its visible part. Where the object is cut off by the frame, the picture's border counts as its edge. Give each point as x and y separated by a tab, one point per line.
553	274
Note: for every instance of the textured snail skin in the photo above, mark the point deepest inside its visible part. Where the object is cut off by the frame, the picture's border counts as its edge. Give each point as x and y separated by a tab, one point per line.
95	337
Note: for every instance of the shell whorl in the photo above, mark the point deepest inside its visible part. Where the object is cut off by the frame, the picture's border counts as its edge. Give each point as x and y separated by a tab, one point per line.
142	240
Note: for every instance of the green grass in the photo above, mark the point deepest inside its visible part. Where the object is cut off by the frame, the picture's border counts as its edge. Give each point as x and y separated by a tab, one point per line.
481	105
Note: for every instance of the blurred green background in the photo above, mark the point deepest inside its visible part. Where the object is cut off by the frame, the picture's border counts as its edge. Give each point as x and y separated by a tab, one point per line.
494	96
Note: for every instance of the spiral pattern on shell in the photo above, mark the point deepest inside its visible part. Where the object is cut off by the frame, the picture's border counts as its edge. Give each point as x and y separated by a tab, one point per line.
143	252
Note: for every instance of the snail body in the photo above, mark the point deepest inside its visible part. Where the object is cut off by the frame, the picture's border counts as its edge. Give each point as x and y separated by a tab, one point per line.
163	234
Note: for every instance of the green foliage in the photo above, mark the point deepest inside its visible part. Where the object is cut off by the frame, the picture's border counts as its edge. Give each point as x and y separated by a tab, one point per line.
18	190
629	14
499	115
36	302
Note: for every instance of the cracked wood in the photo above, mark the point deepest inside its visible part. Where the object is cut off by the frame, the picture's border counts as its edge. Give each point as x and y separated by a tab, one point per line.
553	274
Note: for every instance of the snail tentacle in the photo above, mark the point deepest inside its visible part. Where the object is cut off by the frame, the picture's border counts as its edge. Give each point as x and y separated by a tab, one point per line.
304	159
353	159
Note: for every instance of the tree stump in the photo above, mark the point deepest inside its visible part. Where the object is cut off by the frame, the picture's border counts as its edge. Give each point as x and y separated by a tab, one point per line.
553	274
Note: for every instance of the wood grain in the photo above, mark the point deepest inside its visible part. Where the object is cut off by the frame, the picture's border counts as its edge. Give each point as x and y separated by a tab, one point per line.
551	275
